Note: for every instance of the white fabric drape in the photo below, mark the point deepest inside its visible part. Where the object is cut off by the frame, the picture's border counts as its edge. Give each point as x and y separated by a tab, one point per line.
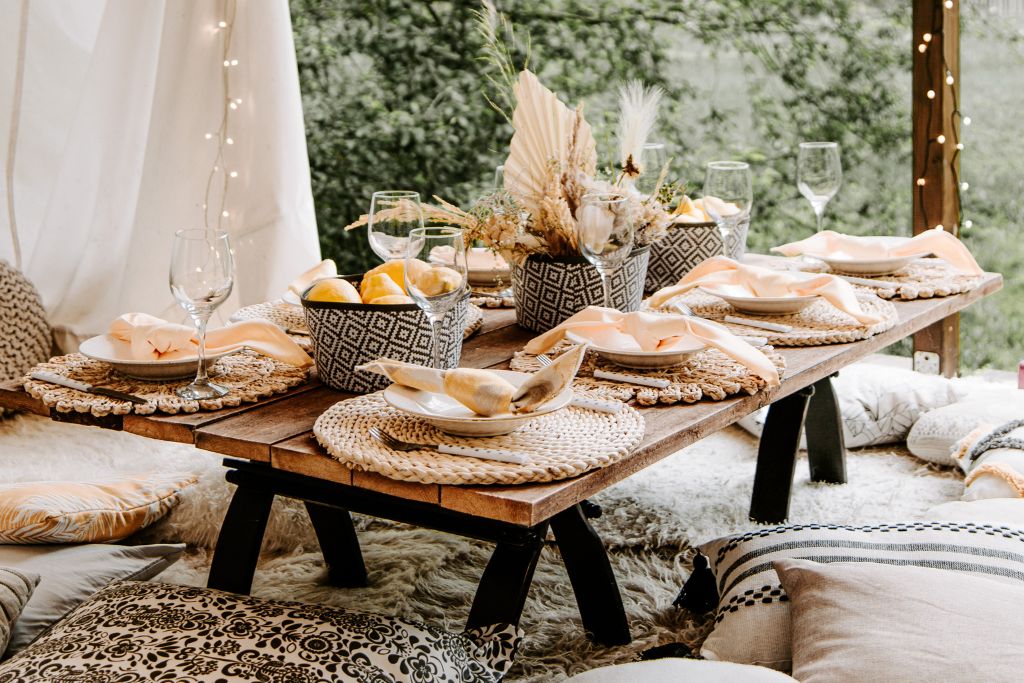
112	156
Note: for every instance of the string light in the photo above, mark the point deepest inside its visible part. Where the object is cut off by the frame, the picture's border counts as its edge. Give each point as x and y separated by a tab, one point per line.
927	37
964	187
208	136
233	174
967	120
960	146
968	224
222	24
930	94
225	214
922	47
940	227
230	141
920	182
949	78
225	29
941	139
949	4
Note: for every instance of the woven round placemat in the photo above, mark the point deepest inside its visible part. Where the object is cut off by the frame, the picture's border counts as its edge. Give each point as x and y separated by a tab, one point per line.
923	279
559	445
247	375
709	374
819	324
492	297
292	319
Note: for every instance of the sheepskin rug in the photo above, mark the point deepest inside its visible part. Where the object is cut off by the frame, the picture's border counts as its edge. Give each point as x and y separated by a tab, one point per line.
650	523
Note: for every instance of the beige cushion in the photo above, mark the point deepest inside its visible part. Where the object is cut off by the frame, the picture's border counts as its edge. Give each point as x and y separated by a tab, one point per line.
1008	511
678	670
871	622
71	573
935	433
86	512
15	589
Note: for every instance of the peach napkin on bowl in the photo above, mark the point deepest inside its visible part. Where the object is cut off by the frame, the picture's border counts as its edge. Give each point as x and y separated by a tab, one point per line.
152	338
323	270
936	241
742	280
613	329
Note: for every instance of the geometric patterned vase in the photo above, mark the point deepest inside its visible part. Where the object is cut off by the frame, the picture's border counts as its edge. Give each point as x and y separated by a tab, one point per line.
347	335
685	247
548	290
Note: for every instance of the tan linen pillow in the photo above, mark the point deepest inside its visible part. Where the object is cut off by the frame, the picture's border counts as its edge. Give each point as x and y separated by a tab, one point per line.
86	512
870	622
678	670
15	589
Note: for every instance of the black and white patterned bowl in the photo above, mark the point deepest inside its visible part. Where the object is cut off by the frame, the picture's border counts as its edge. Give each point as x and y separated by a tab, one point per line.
685	246
347	335
548	290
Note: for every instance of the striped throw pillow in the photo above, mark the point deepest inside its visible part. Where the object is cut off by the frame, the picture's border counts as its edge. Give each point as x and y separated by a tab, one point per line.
15	589
752	625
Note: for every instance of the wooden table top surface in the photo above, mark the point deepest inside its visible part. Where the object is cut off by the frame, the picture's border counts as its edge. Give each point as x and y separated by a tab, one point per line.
278	429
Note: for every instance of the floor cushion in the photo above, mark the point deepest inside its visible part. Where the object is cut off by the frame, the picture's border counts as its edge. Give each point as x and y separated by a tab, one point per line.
752	625
937	431
1005	511
879	404
677	670
869	622
154	631
69	574
86	511
993	461
16	587
25	338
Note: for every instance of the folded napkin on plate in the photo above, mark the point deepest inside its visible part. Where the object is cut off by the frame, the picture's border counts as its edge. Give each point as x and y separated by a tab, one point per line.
153	338
640	331
484	392
325	269
936	241
734	278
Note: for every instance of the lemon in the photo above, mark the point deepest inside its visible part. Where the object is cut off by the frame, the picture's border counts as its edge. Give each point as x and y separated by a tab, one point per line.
438	280
378	285
334	289
396	271
391	299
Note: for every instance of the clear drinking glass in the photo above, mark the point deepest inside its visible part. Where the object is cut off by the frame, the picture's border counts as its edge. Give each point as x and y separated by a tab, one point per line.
653	160
728	196
819	173
202	274
440	287
393	214
606	229
499	177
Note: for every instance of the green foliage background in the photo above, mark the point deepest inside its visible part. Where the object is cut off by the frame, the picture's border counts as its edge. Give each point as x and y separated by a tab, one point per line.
394	97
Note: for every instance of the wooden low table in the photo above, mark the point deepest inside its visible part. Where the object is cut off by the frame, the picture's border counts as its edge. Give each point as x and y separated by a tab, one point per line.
272	452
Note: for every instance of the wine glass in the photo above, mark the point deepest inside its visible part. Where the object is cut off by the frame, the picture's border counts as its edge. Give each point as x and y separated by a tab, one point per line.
728	196
819	173
653	160
499	177
393	214
438	288
605	230
202	274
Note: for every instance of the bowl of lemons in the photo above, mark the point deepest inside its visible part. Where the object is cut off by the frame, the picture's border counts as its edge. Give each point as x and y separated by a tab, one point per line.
354	319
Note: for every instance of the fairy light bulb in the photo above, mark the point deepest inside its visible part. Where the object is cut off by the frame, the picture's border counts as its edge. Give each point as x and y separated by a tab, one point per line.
208	136
920	182
233	174
949	79
227	63
233	105
968	224
964	187
967	120
930	94
225	214
940	226
234	62
222	24
230	141
960	146
921	48
949	4
941	139
927	37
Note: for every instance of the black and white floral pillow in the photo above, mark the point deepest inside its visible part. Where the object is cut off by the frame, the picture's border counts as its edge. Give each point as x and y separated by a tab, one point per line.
133	631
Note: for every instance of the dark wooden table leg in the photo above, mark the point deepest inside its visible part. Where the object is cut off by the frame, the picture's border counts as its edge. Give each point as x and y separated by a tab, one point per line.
776	457
593	582
339	545
241	535
501	595
826	447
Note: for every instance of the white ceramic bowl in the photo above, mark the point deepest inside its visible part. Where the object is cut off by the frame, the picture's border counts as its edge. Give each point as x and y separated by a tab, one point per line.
118	354
764	305
643	360
451	417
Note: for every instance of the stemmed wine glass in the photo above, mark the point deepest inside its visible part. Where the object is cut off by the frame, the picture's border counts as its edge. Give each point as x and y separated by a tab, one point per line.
728	196
202	274
606	229
440	287
393	215
819	173
654	158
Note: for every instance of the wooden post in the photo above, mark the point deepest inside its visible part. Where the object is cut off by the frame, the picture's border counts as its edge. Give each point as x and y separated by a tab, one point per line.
936	129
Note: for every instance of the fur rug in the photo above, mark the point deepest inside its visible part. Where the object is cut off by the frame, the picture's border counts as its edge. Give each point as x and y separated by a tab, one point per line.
649	522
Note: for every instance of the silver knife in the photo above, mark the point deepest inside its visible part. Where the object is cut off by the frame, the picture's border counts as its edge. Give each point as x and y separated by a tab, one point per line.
53	378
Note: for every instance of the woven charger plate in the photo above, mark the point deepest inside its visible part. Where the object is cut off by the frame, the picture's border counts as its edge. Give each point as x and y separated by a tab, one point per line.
492	297
559	445
247	375
819	324
292	319
923	279
708	374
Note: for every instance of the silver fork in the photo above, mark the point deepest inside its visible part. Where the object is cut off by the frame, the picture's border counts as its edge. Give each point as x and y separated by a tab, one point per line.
473	451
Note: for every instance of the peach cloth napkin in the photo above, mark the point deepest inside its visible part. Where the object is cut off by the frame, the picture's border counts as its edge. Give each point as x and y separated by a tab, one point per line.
721	272
153	338
641	331
325	269
835	245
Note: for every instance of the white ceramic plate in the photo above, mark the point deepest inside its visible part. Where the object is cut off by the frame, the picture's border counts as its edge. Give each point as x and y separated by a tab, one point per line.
451	417
873	266
118	353
645	360
764	305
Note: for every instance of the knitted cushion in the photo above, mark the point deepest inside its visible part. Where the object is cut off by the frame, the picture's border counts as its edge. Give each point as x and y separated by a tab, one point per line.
24	332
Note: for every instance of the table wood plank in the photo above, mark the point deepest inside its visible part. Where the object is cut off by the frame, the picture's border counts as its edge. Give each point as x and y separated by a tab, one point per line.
13	397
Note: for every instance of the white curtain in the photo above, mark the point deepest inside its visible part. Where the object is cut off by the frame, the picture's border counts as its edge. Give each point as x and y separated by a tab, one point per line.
107	154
